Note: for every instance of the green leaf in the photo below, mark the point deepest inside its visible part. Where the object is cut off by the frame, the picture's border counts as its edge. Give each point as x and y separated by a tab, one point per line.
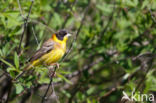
64	78
56	20
145	3
19	88
16	60
64	72
91	90
1	53
7	63
6	49
66	93
11	69
13	19
104	7
88	101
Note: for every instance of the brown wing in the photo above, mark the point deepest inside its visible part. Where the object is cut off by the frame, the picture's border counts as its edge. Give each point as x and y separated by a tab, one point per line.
46	47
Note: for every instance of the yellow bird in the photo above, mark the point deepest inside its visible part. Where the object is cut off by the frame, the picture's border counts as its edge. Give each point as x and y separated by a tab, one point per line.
50	52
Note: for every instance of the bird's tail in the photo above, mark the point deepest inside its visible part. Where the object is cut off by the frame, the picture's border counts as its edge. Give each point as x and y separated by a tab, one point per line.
24	71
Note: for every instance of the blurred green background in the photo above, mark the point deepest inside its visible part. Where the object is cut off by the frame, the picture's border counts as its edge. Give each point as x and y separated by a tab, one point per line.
114	50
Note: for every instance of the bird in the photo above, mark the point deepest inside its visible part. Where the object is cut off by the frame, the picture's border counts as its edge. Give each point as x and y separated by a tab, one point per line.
50	52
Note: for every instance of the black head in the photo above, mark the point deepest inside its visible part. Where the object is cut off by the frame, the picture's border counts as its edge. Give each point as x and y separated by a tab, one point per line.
60	34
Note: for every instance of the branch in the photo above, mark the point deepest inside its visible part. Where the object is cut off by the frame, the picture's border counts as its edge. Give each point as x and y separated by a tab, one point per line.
35	35
9	92
19	5
51	80
51	14
78	31
25	26
46	26
6	87
145	58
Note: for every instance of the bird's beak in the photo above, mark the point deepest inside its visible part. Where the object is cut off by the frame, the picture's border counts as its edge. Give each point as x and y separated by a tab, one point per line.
68	35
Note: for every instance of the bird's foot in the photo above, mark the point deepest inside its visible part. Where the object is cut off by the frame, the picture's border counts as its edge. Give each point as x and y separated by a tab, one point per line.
51	72
55	64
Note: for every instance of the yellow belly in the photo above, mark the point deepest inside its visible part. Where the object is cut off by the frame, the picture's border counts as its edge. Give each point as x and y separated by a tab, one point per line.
49	58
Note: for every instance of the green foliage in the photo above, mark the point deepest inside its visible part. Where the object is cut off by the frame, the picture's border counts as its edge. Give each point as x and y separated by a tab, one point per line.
16	60
105	58
19	88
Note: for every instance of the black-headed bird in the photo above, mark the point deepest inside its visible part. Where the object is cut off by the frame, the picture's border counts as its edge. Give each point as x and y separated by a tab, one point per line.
50	52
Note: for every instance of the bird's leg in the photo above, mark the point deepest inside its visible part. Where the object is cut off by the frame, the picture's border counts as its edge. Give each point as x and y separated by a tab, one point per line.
56	64
51	69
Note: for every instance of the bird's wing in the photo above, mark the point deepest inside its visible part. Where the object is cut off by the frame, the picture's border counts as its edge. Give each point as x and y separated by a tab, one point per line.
47	46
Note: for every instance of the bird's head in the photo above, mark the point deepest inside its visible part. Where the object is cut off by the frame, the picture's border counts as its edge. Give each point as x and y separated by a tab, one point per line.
61	35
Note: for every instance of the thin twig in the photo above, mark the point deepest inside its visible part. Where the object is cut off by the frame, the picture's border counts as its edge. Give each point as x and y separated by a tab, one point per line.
35	35
144	76
109	92
51	15
9	92
19	5
46	26
25	26
53	92
51	80
153	18
78	31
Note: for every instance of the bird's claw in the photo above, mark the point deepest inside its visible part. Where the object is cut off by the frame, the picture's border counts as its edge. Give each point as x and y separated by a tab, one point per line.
51	72
51	69
55	64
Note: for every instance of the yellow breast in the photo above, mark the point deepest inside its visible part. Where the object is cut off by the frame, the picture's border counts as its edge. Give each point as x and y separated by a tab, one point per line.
54	55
